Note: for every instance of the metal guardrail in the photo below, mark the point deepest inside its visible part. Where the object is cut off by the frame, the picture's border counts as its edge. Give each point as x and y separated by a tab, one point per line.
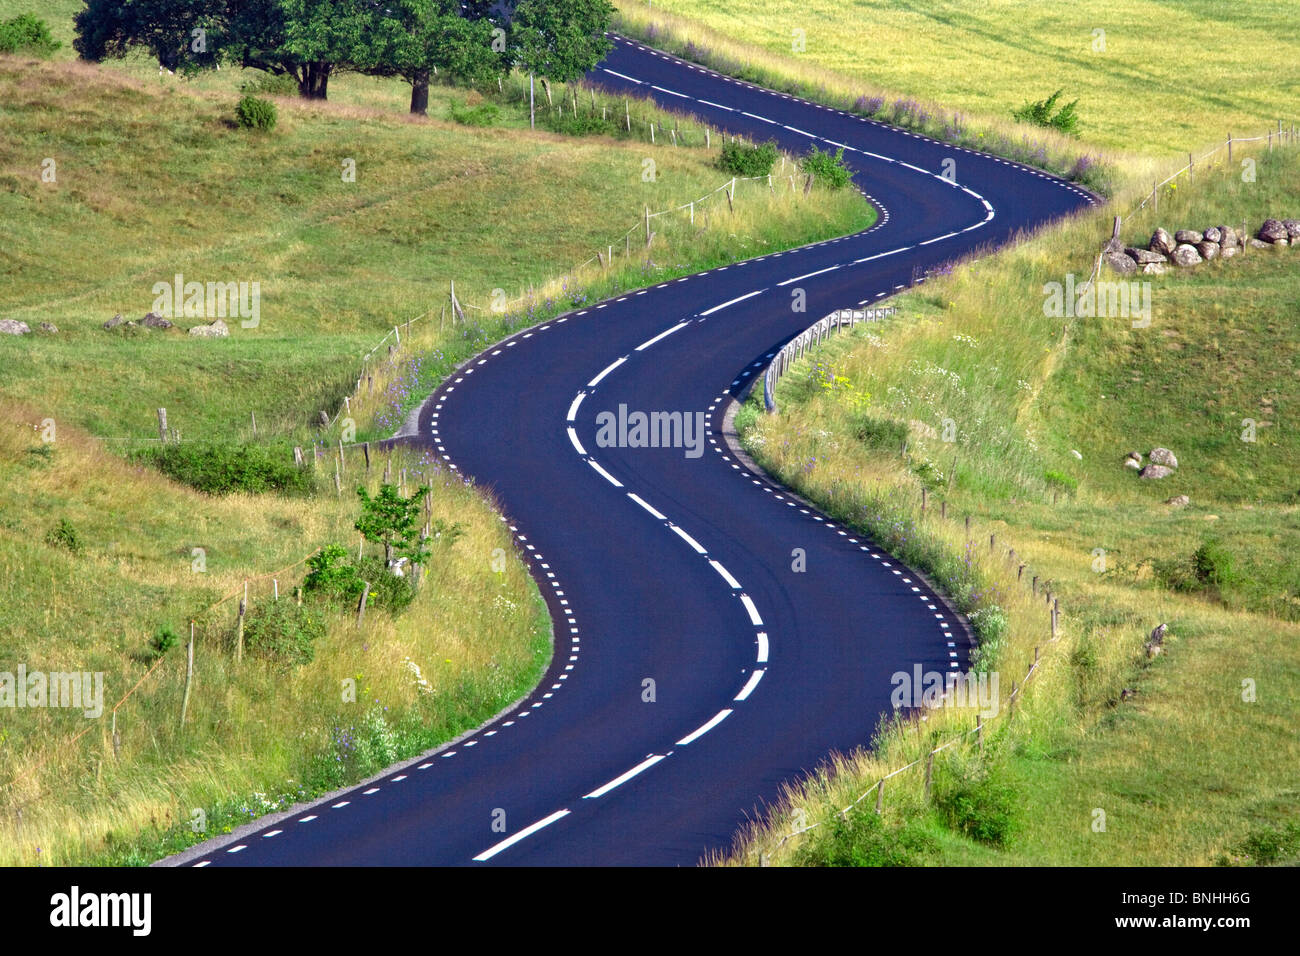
810	337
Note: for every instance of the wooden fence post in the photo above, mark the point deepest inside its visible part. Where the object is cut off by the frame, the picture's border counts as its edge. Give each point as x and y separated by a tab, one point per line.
929	774
117	740
162	425
979	732
365	447
239	625
880	797
361	605
189	675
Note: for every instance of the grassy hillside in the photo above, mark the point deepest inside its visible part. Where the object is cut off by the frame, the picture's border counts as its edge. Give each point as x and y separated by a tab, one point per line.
1172	75
1186	769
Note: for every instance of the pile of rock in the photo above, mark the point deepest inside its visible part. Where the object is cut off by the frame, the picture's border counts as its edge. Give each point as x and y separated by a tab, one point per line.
153	320
14	327
1189	247
1161	463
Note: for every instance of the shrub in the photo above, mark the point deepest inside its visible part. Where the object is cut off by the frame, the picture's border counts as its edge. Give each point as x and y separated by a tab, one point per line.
283	631
741	159
975	801
162	642
861	838
270	84
255	113
990	623
485	114
387	590
1066	119
63	535
220	469
1060	481
27	34
827	168
1267	847
331	576
883	433
1212	565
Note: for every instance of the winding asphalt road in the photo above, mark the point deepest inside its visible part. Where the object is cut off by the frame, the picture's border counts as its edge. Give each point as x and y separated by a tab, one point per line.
661	565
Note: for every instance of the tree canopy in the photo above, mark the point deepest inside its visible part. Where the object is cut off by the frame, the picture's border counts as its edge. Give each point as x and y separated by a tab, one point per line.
312	40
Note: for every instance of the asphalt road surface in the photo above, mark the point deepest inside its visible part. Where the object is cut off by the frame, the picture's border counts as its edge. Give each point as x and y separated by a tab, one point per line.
675	564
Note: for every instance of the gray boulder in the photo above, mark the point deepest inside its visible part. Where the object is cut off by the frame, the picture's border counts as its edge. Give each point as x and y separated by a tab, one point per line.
1228	237
13	327
1163	456
48	327
1133	464
1156	471
1189	236
1208	250
1187	255
114	322
1179	501
1154	269
1229	251
1213	234
1292	228
1162	242
1259	244
1272	231
217	330
155	321
1120	263
1142	256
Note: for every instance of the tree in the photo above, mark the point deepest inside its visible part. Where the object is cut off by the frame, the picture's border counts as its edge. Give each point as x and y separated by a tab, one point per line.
310	40
428	36
559	39
390	519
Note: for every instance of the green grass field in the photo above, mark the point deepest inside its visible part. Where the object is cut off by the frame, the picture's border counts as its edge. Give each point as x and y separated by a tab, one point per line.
1186	770
1172	76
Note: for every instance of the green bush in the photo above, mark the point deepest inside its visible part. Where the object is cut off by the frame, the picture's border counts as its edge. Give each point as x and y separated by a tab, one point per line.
740	159
221	469
270	84
485	114
1270	846
827	168
63	535
336	577
1212	565
255	113
283	631
1060	481
1066	119
162	642
861	838
27	34
883	433
975	801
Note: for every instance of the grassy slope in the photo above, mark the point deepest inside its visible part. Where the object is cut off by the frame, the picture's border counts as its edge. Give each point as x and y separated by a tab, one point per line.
1173	76
1185	770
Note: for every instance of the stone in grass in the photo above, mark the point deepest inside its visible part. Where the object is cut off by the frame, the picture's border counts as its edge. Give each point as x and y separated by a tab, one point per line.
1259	244
1154	269
1179	501
1132	463
217	330
13	327
1213	234
1272	230
1292	228
1188	236
1208	250
1155	471
1142	256
1162	243
49	327
1163	456
114	322
1187	255
1228	237
1120	263
155	321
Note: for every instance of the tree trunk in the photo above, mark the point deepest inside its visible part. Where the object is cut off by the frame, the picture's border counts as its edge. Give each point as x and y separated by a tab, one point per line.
420	93
546	85
388	554
313	81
